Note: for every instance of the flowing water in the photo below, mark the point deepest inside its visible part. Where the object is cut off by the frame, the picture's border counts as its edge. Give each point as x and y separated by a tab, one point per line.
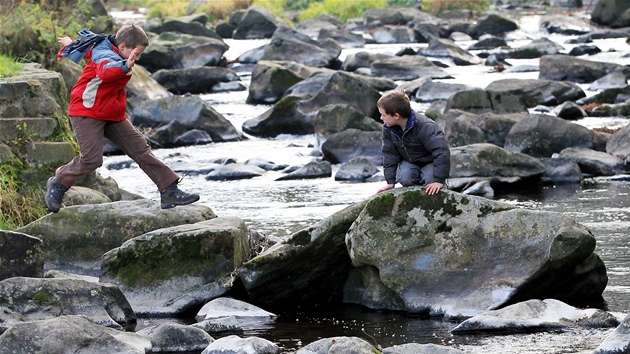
280	208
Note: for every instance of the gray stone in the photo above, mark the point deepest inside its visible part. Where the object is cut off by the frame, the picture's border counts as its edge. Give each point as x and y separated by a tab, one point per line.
71	334
175	337
235	344
34	299
172	270
536	315
21	255
77	236
348	345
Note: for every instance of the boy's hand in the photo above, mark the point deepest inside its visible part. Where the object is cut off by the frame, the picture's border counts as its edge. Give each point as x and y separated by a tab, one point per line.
132	58
65	40
433	188
389	186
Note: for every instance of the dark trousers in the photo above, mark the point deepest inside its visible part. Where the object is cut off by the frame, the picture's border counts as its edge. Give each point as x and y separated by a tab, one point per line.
89	133
409	174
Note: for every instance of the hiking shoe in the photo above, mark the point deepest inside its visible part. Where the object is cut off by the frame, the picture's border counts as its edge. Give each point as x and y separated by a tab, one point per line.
173	196
54	194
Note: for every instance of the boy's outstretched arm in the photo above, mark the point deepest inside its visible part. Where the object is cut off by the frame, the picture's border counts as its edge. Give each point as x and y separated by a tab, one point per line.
387	187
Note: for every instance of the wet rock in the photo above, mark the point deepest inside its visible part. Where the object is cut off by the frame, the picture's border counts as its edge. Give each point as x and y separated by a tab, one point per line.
429	256
533	92
192	25
352	143
563	67
569	110
221	325
77	236
564	24
584	50
619	144
250	345
408	67
594	163
429	90
607	12
465	128
618	341
415	348
487	42
541	136
71	334
494	24
21	255
336	118
35	299
616	79
175	337
191	111
223	307
256	23
279	276
488	160
172	50
536	49
561	170
312	169
194	80
536	315
445	48
173	270
357	169
392	34
480	101
338	345
344	38
234	171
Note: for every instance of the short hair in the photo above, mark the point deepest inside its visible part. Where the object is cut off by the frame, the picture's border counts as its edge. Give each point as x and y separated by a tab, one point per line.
132	36
395	102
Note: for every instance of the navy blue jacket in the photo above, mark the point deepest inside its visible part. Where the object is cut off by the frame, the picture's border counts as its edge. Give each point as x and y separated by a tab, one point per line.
421	143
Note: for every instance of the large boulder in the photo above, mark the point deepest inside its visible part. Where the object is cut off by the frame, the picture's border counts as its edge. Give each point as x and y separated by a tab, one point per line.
458	256
296	115
480	101
354	345
537	92
492	23
445	48
407	67
36	92
490	161
353	143
78	236
174	337
567	68
465	128
173	270
306	269
271	79
336	118
256	23
541	135
21	255
195	80
191	111
536	315
35	299
71	334
173	50
192	25
607	12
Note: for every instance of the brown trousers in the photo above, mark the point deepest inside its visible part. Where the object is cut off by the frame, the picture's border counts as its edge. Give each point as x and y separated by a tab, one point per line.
89	133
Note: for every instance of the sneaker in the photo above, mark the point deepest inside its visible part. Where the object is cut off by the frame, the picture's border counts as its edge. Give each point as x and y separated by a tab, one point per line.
173	196
54	194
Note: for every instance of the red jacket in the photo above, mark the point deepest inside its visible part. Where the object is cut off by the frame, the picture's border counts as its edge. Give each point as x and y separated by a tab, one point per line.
100	91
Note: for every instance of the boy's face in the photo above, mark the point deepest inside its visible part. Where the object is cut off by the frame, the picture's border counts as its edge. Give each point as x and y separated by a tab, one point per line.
390	121
125	50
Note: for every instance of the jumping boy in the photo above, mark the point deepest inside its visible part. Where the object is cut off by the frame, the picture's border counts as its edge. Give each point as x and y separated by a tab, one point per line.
97	109
415	151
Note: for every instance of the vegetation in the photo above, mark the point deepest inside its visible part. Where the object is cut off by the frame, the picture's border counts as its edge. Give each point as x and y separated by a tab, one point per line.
438	6
340	8
8	66
20	202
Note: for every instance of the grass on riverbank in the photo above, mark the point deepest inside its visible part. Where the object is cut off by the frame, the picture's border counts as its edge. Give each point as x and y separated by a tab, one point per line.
9	66
20	202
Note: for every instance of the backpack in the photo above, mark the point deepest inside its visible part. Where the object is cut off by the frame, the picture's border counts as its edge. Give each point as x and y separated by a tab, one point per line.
76	50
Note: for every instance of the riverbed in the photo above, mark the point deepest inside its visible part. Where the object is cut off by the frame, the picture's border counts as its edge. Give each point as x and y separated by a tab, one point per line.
279	208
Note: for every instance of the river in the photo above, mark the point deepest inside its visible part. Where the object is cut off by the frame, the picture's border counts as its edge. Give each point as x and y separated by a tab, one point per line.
279	208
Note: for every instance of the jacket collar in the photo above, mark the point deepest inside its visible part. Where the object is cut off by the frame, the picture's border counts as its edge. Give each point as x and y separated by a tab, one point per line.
411	121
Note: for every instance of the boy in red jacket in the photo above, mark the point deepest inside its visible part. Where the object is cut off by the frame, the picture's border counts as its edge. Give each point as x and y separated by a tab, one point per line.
97	109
